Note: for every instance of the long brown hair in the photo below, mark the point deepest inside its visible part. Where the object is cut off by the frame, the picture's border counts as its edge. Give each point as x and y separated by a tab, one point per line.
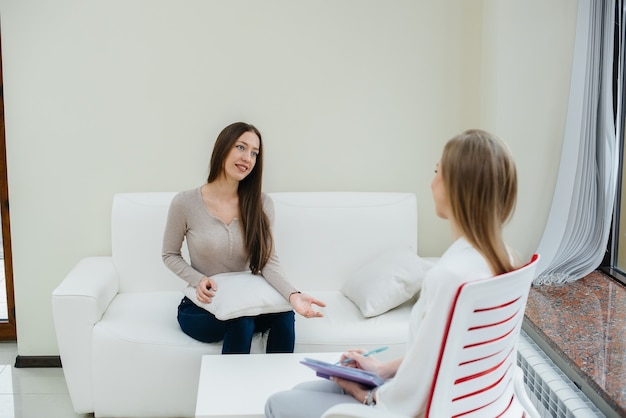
255	224
480	177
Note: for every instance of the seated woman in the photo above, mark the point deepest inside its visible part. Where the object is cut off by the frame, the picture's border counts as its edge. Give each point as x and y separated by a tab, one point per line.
475	189
227	225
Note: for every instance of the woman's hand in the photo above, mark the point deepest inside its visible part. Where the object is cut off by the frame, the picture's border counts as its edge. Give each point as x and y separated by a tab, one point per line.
302	303
385	369
205	291
358	391
355	358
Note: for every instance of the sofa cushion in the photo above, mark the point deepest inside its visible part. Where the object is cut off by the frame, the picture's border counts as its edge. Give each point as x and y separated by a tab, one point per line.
150	318
241	294
386	281
343	327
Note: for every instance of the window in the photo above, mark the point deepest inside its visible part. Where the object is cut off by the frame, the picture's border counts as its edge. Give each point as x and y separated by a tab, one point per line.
614	262
7	306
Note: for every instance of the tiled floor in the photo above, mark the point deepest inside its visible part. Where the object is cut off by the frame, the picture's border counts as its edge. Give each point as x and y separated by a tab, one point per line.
32	392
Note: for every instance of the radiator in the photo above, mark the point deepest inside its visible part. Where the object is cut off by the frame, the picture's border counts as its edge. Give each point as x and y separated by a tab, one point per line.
552	392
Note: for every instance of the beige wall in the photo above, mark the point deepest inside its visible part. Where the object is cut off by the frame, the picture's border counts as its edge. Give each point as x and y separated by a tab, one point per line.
528	49
115	96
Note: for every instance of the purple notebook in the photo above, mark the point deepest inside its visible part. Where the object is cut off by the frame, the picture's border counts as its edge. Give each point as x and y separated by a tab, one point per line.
326	370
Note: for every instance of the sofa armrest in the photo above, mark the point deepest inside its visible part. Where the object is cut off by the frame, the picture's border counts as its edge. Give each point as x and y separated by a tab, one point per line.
94	279
78	303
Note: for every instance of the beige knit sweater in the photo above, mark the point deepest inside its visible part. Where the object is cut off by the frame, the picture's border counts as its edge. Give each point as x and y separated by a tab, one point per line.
214	247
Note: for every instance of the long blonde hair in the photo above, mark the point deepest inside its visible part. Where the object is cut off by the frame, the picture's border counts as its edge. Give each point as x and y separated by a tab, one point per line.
480	178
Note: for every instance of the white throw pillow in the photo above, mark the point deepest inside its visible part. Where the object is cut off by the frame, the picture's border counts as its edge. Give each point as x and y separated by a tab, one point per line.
241	294
386	281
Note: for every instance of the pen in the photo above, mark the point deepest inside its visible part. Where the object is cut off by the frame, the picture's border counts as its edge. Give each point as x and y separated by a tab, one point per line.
369	353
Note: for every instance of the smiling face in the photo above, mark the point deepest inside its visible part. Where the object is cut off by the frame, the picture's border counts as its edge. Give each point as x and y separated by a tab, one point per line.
242	157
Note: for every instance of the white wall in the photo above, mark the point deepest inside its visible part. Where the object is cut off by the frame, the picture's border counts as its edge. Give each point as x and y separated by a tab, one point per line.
114	96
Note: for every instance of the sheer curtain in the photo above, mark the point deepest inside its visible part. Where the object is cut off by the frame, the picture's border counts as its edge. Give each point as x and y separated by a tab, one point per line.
576	234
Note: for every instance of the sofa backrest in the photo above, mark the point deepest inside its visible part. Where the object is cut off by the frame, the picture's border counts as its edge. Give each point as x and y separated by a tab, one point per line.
137	225
323	237
320	237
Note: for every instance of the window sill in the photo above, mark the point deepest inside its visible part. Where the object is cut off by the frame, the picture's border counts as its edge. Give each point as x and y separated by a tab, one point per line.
581	326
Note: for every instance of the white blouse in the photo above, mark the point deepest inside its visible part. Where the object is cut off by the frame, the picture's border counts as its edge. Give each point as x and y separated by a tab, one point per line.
407	393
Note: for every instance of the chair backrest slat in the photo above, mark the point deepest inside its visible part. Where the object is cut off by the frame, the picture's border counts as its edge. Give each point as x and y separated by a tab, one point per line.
475	370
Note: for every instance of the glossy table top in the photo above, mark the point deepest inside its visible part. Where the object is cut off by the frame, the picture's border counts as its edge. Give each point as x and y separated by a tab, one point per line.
585	323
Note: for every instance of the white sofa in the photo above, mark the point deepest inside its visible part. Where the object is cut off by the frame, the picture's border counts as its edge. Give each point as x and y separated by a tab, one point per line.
122	351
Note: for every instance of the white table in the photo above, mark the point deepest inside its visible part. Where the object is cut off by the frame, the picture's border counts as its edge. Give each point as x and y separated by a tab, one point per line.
237	385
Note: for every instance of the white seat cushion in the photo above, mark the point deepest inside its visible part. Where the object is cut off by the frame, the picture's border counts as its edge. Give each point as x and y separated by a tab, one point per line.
150	318
146	317
344	326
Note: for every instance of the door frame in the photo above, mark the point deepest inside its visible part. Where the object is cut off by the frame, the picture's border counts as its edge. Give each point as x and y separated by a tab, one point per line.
7	327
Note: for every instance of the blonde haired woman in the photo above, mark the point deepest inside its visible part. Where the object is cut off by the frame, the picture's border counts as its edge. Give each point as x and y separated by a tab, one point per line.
475	189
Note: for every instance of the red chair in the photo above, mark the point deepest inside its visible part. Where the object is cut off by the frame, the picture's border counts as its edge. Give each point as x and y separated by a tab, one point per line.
476	374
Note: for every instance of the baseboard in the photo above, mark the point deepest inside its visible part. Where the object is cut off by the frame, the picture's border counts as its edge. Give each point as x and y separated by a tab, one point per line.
37	361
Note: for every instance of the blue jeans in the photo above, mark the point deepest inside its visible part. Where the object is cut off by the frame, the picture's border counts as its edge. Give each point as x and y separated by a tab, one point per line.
237	333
